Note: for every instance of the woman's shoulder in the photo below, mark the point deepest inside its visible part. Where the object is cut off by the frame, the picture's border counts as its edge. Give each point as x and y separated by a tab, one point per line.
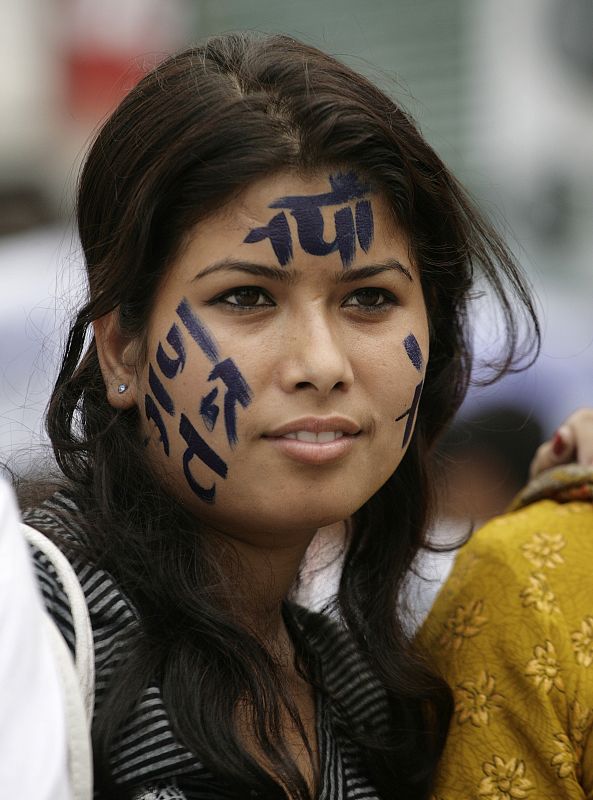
111	613
58	517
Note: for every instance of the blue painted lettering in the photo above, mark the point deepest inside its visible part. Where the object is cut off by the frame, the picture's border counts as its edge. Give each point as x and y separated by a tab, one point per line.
306	210
197	447
411	414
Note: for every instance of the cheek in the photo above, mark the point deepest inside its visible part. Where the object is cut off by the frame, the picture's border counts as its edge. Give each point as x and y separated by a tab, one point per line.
400	387
192	398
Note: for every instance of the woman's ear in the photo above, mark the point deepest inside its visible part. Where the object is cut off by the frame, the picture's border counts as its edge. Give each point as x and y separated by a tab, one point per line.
118	360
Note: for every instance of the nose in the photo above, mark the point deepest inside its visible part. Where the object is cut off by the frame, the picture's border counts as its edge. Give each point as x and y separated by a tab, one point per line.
316	357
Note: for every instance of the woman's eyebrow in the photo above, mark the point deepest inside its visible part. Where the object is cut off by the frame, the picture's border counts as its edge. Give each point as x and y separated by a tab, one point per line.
349	275
260	270
358	273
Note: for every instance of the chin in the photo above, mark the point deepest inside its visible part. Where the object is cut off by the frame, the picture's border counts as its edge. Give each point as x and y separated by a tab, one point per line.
275	510
313	514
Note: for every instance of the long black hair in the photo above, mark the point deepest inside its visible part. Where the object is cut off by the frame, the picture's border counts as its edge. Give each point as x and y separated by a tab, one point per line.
191	135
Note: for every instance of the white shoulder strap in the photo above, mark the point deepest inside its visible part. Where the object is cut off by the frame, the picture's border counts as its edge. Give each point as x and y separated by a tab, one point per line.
78	677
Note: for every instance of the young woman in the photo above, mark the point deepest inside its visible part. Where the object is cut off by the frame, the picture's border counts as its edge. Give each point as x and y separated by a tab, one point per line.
279	274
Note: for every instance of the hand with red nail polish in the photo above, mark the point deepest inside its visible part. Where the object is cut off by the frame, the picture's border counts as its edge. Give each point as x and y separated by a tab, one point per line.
558	444
572	442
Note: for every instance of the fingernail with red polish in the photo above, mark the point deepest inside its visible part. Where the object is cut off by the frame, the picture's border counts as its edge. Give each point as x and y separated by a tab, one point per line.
558	444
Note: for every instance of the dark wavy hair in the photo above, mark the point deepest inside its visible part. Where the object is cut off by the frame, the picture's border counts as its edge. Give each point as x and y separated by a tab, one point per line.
190	136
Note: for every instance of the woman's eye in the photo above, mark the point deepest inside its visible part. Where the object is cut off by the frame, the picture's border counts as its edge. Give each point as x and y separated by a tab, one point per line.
370	299
246	297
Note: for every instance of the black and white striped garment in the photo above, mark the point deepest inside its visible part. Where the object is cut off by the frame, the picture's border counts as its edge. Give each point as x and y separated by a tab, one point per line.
150	759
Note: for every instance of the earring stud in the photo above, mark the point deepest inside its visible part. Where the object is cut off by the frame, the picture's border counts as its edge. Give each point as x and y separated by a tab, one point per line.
123	387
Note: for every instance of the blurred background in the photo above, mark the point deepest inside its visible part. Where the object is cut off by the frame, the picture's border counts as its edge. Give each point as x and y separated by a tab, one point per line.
503	90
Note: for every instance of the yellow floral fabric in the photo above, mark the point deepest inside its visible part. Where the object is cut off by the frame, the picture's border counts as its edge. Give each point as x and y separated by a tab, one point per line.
512	633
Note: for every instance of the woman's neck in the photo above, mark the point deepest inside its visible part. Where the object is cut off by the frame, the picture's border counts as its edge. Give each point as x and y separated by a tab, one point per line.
261	571
266	577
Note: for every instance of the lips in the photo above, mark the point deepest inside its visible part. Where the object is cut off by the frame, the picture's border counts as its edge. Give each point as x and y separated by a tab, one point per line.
302	429
315	440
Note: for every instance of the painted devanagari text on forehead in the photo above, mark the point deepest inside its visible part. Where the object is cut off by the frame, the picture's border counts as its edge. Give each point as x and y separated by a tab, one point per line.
349	205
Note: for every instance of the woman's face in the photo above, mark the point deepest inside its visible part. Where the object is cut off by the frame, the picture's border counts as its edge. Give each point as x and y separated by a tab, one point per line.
286	352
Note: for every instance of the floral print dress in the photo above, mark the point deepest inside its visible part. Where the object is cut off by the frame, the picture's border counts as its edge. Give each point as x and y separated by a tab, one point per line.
512	632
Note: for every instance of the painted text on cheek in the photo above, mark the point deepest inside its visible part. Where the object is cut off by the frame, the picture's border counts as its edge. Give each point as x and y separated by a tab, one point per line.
237	392
414	353
306	210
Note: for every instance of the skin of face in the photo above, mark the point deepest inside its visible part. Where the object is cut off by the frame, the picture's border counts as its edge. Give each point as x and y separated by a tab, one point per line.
312	346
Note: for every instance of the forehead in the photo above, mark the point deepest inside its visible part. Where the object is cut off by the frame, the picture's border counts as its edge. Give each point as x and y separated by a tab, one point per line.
300	195
333	218
325	187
